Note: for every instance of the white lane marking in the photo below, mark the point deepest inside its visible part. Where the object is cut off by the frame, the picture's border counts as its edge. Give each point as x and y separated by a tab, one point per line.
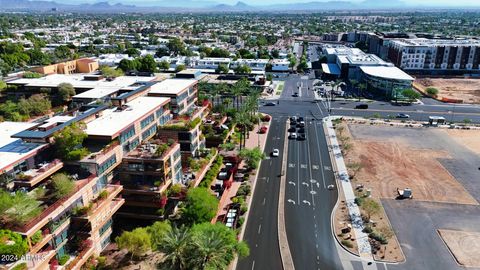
315	167
268	178
321	160
310	170
263	201
306	202
291	201
305	184
303	166
253	265
259	228
291	165
291	183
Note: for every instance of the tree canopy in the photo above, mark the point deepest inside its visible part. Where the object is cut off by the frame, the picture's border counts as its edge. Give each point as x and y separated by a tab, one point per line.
200	206
137	242
68	142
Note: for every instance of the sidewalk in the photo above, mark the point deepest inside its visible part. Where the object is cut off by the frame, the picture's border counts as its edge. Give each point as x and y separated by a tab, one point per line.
343	179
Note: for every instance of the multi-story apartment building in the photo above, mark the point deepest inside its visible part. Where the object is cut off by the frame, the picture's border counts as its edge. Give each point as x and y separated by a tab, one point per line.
183	94
436	56
65	228
145	174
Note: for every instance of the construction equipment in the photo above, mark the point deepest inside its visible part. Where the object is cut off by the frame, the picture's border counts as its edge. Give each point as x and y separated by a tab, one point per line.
404	193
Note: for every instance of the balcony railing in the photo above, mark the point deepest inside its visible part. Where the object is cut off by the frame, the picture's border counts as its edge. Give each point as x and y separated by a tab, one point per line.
45	213
102	153
34	176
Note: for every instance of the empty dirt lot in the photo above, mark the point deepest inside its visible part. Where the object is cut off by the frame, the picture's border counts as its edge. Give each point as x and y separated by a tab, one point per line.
464	246
388	163
467	90
468	138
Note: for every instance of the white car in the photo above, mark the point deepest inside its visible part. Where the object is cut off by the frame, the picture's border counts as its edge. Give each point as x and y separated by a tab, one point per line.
275	152
293	135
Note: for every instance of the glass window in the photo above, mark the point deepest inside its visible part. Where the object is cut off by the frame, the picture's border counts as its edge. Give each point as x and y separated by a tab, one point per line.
127	134
107	164
147	121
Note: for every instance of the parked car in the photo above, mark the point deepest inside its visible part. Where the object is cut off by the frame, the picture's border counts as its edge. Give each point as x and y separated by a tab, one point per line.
270	104
403	115
293	135
292	129
295	94
301	130
275	152
362	106
301	137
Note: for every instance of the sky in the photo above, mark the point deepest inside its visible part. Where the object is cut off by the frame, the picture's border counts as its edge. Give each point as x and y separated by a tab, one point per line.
268	2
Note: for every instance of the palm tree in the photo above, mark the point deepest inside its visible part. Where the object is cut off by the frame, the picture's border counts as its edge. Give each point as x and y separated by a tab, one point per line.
237	92
242	119
212	252
175	247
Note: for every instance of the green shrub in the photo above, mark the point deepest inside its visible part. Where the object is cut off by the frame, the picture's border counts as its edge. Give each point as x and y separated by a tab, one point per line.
380	238
12	243
31	75
244	190
358	201
240	222
63	259
36	237
368	229
103	195
21	266
63	185
347	243
77	154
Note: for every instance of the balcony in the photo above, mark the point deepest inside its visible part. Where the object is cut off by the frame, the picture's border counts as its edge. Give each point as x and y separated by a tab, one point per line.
101	155
34	176
161	187
46	237
82	256
153	149
53	210
108	204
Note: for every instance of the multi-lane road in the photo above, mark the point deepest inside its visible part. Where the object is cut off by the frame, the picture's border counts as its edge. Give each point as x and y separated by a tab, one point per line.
308	201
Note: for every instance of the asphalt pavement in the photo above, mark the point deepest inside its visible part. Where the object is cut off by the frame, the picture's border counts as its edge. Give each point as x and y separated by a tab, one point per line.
261	233
308	202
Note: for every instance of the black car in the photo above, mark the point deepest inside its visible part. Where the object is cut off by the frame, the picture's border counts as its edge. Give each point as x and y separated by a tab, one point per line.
300	119
295	95
301	137
301	130
362	106
292	129
270	104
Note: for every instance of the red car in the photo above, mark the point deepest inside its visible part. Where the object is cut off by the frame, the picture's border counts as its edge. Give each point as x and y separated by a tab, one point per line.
263	130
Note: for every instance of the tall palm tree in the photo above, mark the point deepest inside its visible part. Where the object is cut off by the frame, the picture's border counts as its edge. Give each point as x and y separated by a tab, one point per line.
237	92
175	246
242	120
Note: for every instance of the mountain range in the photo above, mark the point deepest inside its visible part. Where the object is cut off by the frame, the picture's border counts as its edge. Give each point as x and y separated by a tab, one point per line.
148	6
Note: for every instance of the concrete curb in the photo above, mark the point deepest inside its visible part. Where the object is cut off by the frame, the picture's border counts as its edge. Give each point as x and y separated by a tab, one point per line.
285	254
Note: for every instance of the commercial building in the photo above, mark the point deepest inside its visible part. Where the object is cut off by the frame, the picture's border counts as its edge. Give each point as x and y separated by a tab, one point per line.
436	56
84	65
256	65
280	65
354	64
211	63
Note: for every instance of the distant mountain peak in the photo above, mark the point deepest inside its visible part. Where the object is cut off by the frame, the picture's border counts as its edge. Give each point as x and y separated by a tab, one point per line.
241	4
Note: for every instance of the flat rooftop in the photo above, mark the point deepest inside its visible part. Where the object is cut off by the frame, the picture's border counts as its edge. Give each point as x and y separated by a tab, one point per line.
115	120
172	86
13	150
392	73
78	81
95	93
424	42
